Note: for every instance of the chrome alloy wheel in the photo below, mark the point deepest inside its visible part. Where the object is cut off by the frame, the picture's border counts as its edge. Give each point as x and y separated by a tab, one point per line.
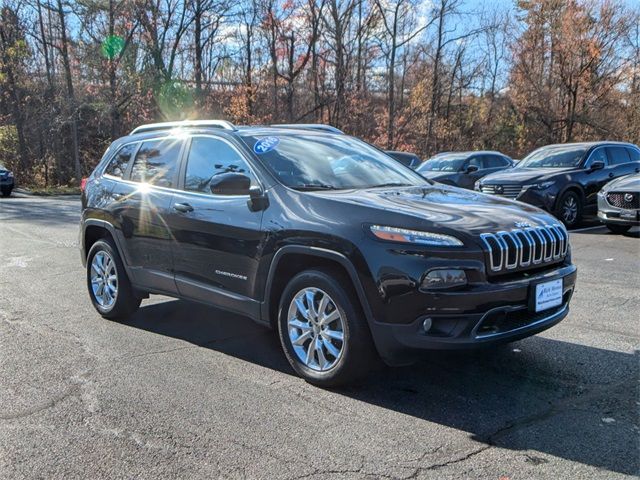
570	209
104	279
316	329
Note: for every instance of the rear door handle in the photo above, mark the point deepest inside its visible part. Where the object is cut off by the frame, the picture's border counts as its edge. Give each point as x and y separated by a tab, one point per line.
611	175
183	207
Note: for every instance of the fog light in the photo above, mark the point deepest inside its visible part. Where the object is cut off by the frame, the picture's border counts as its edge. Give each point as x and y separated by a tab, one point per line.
426	324
444	278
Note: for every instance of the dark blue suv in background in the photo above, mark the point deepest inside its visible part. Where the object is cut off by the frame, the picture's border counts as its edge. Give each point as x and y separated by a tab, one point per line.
565	179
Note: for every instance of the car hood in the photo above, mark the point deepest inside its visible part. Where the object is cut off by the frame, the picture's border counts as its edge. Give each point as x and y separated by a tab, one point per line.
521	175
442	206
630	183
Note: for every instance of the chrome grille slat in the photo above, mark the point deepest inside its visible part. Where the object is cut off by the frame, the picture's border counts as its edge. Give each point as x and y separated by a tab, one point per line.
508	191
521	248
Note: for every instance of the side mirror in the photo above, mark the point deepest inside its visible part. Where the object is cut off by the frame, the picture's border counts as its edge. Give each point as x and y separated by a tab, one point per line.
257	199
230	184
471	169
597	165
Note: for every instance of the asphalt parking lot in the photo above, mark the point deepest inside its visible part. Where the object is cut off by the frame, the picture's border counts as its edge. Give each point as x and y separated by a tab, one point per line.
187	391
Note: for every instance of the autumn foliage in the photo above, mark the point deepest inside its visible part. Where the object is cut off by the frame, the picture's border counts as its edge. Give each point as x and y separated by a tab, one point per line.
403	74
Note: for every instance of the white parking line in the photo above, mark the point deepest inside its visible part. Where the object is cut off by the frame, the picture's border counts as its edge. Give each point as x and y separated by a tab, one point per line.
585	229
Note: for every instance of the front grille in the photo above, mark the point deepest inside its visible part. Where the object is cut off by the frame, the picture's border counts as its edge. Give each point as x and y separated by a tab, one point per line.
509	191
525	248
627	200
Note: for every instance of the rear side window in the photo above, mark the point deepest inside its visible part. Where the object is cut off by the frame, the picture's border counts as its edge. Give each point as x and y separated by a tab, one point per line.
120	161
634	154
494	161
618	155
156	162
209	157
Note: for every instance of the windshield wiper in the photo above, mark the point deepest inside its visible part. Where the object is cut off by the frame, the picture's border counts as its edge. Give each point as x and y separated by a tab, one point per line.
393	184
314	186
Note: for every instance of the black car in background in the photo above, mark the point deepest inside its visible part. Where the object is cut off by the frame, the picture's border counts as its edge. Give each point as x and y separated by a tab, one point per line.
463	169
410	160
7	182
343	251
565	179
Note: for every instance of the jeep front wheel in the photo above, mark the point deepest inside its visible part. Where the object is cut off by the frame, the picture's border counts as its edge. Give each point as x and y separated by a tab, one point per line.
323	332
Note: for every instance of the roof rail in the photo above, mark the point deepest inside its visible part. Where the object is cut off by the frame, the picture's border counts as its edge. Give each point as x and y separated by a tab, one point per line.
311	126
152	127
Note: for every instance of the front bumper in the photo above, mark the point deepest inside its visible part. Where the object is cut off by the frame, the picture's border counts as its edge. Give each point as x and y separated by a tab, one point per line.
607	213
545	199
6	183
496	312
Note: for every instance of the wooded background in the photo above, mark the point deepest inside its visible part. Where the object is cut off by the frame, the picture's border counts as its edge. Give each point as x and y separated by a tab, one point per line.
417	75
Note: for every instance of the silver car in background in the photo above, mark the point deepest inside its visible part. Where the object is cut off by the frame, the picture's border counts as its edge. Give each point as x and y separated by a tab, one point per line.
619	203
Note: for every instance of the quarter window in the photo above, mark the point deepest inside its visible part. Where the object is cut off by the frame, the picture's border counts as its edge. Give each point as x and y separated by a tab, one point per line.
120	161
156	162
634	154
209	157
618	155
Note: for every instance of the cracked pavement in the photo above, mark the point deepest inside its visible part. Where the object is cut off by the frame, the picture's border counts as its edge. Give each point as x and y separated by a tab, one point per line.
187	391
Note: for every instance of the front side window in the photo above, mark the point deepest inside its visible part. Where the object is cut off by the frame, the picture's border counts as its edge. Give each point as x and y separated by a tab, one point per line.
618	155
209	157
555	156
120	161
156	162
598	155
328	162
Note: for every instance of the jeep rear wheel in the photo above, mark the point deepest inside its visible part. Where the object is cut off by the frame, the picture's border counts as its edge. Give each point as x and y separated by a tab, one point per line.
323	333
109	288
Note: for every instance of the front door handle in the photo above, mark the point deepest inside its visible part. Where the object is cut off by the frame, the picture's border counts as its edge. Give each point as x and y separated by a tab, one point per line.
183	207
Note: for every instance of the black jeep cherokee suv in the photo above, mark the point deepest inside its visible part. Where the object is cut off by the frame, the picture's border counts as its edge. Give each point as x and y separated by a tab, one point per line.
346	252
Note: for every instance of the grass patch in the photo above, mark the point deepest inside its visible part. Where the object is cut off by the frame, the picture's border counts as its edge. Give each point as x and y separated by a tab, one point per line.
51	191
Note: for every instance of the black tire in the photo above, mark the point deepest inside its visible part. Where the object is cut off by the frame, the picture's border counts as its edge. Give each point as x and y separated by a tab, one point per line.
126	301
619	229
357	354
7	192
569	209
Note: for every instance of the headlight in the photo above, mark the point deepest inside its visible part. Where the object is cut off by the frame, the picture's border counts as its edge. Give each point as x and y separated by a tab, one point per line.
417	237
10	174
539	186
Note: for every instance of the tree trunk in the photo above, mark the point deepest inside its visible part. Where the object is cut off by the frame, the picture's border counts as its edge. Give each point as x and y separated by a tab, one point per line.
70	92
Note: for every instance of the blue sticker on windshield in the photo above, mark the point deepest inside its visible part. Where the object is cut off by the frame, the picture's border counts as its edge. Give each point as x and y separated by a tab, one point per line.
265	145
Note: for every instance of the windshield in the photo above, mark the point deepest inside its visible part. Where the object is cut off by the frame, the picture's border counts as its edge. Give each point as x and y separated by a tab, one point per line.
557	156
329	162
443	163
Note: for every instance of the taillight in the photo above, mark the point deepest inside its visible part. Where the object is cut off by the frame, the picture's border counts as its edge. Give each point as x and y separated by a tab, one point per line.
83	184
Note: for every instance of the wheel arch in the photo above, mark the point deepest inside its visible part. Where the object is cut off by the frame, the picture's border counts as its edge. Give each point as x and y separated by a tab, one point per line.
94	230
572	187
292	259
